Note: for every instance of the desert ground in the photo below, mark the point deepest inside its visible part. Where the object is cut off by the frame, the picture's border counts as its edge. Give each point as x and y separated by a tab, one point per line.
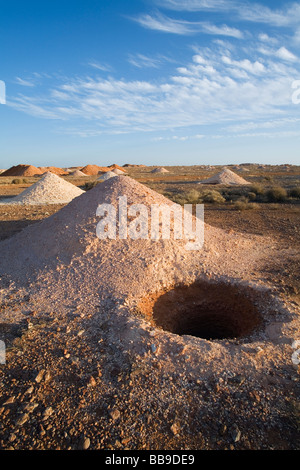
104	346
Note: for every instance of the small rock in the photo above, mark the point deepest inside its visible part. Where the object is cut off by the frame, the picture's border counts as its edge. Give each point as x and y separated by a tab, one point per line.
22	420
85	443
92	382
12	437
40	376
236	434
126	440
10	400
115	414
175	428
47	376
29	390
31	407
47	413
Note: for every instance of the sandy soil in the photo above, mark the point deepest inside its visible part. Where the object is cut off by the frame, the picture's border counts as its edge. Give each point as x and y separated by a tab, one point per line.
95	371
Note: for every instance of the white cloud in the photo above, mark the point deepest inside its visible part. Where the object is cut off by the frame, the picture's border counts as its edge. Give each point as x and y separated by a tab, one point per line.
223	30
212	87
267	39
22	82
165	24
247	11
255	68
99	66
142	61
196	5
285	54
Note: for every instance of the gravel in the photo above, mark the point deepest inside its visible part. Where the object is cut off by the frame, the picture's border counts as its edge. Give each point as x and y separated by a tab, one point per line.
123	383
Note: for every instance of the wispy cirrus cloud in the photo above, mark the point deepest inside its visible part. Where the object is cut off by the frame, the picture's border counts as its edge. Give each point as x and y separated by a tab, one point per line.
247	11
159	22
143	61
162	23
24	82
214	86
99	66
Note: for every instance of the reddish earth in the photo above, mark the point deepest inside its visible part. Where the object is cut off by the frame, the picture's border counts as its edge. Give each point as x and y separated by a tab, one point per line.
22	170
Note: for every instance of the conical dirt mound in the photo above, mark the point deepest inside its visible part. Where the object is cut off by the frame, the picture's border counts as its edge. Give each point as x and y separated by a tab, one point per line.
53	169
22	170
226	177
159	170
77	173
107	176
50	189
68	239
92	170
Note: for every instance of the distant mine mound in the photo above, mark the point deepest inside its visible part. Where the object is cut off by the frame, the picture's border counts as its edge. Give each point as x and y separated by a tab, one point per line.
92	170
53	169
22	170
116	167
130	165
77	173
50	189
225	177
159	170
106	176
117	171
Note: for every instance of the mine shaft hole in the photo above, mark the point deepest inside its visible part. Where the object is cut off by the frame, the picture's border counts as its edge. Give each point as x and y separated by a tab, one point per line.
212	311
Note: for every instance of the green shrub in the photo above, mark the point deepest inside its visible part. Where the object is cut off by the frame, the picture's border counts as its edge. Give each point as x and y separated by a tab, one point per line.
252	196
212	196
294	193
276	194
192	197
16	181
243	204
257	189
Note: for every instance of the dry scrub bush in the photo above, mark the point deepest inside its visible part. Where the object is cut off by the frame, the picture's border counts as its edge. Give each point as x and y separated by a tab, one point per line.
276	194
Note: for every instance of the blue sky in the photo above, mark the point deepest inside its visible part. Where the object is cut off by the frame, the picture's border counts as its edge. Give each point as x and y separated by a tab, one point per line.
159	82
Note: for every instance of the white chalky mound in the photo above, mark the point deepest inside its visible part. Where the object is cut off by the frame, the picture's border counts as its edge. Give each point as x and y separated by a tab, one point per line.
66	252
78	173
118	171
159	170
225	177
106	176
50	189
